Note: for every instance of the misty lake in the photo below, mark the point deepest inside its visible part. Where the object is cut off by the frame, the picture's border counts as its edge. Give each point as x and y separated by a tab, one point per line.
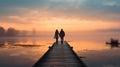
25	51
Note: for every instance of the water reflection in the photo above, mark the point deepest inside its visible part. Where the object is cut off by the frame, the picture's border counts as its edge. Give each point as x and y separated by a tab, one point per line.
97	54
2	42
12	49
23	42
101	58
113	45
93	53
9	41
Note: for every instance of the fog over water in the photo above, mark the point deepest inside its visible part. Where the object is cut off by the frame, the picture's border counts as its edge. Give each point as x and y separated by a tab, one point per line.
28	50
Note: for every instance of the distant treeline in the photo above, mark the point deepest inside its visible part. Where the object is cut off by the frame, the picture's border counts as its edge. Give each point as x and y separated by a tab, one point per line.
11	32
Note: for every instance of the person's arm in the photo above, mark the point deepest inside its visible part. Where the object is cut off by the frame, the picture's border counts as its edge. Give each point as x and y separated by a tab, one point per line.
54	35
64	33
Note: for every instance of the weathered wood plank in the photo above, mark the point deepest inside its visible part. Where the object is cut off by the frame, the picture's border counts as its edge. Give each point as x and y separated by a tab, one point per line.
60	55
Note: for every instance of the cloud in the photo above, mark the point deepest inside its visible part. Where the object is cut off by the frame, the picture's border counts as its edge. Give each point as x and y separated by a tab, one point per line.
31	17
111	3
93	10
109	30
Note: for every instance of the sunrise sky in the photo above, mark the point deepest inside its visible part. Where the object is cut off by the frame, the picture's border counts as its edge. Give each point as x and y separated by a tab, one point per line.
72	15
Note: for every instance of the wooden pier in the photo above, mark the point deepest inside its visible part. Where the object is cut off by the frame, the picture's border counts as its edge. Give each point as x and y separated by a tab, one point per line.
60	55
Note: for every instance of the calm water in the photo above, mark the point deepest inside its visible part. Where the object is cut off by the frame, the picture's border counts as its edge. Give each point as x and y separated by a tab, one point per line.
25	51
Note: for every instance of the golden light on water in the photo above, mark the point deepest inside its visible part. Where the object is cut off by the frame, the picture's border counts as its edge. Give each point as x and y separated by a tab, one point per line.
86	45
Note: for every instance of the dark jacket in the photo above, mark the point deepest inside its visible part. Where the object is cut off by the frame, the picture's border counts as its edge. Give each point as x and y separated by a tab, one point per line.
62	34
56	34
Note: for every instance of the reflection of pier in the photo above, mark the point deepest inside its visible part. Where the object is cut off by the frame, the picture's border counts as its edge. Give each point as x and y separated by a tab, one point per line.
60	55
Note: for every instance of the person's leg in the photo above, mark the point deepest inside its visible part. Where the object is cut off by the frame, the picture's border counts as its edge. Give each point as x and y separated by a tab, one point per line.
56	40
62	40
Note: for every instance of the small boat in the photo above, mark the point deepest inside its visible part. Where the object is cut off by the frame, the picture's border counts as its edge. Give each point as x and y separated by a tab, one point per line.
113	43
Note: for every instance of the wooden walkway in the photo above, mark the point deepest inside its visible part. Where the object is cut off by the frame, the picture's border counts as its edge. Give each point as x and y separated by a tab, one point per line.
60	55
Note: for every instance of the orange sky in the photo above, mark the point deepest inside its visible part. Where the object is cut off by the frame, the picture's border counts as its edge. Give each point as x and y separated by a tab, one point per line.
58	23
71	15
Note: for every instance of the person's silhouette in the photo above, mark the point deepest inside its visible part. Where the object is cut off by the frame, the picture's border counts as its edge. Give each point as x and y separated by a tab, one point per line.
62	35
56	36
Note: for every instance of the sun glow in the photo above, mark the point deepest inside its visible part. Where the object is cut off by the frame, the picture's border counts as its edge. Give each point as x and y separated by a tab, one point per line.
58	23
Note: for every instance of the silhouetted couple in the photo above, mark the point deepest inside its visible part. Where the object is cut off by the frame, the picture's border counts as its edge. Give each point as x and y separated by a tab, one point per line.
61	35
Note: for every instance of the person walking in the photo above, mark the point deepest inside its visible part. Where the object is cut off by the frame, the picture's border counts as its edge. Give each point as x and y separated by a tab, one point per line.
56	36
62	35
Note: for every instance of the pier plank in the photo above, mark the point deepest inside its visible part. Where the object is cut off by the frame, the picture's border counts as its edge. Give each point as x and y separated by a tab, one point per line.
60	55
